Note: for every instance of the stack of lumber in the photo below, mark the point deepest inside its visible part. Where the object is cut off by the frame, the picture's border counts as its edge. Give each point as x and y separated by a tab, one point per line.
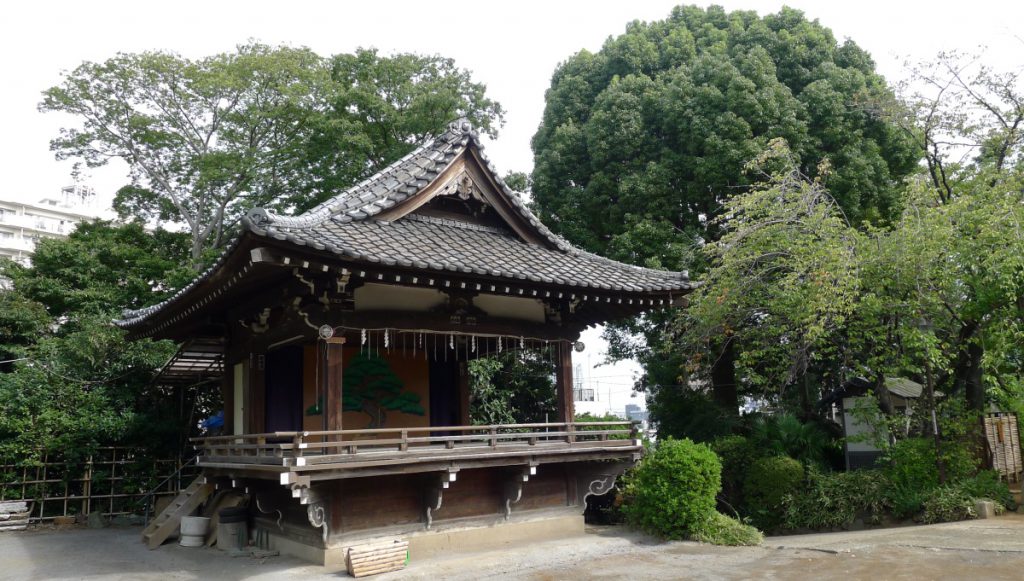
14	515
377	557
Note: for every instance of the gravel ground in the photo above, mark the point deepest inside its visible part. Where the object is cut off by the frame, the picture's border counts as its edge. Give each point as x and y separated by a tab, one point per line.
986	549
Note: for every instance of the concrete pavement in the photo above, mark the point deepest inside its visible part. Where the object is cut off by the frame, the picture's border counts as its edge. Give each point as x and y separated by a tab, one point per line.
983	549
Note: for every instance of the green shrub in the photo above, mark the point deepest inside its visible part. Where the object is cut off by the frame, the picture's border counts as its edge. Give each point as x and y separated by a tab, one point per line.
736	454
906	501
768	482
911	464
672	491
722	529
948	503
785	434
986	484
836	500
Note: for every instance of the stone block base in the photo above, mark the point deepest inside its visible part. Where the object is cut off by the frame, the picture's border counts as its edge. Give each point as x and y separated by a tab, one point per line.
446	537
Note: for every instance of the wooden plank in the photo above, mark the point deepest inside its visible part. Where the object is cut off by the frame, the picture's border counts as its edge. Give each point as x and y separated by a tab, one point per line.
375	558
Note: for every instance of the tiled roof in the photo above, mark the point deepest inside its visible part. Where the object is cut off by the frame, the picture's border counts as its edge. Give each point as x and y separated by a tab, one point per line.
344	225
445	245
400	180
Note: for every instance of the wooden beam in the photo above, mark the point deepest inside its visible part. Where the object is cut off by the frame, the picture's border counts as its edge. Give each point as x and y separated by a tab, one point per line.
563	382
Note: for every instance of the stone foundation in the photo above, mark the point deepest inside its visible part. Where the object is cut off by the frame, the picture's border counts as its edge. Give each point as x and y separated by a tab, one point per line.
447	537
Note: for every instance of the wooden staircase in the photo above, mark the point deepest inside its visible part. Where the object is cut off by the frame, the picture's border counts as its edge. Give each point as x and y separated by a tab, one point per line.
168	521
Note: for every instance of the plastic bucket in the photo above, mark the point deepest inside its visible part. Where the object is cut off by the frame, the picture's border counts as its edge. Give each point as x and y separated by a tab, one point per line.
192	541
194	526
232	536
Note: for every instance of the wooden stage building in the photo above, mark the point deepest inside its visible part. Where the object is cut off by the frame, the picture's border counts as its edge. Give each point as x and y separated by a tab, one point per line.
344	335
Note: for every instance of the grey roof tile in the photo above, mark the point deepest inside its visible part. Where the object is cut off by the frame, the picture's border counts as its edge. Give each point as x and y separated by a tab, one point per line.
343	226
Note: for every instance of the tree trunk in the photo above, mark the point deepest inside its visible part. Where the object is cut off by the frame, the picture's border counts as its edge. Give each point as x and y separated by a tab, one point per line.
962	367
377	414
197	251
723	379
967	373
973	382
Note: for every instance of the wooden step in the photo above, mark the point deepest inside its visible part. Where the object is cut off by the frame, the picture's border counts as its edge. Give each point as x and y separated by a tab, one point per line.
169	520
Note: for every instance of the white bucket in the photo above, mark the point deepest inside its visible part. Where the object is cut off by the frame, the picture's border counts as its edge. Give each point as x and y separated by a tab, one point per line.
194	526
192	540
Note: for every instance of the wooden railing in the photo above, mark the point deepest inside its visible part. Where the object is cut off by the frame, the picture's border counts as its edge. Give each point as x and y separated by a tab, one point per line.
340	446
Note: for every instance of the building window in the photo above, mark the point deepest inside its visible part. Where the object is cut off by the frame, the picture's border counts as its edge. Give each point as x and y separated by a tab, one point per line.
583	394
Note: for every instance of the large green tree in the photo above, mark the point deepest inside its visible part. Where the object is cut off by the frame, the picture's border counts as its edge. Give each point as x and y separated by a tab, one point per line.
377	109
205	139
643	143
937	295
79	382
651	133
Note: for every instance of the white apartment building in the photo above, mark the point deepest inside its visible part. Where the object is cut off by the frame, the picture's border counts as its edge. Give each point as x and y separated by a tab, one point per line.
23	224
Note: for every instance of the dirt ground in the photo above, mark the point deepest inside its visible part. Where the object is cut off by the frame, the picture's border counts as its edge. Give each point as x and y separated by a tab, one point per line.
984	549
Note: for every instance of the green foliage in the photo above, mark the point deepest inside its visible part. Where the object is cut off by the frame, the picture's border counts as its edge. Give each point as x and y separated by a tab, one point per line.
77	391
82	384
206	139
956	501
947	504
722	529
786	435
911	465
672	491
489	404
680	412
378	108
737	454
607	417
782	284
836	500
987	484
516	386
643	144
102	268
22	322
766	485
641	139
370	386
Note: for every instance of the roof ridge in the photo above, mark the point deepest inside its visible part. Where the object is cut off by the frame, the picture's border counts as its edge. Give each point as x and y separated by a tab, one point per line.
460	130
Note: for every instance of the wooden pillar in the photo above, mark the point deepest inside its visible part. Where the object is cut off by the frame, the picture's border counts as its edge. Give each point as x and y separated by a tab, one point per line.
332	392
563	382
227	395
256	389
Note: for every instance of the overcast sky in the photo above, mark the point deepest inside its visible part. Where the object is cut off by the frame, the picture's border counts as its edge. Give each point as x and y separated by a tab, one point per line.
512	47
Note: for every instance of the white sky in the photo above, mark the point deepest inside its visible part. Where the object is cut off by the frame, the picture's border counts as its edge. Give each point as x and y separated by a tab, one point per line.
512	47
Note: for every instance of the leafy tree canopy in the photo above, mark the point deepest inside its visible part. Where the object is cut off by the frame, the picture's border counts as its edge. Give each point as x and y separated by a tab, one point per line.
103	268
514	387
283	127
80	382
643	141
